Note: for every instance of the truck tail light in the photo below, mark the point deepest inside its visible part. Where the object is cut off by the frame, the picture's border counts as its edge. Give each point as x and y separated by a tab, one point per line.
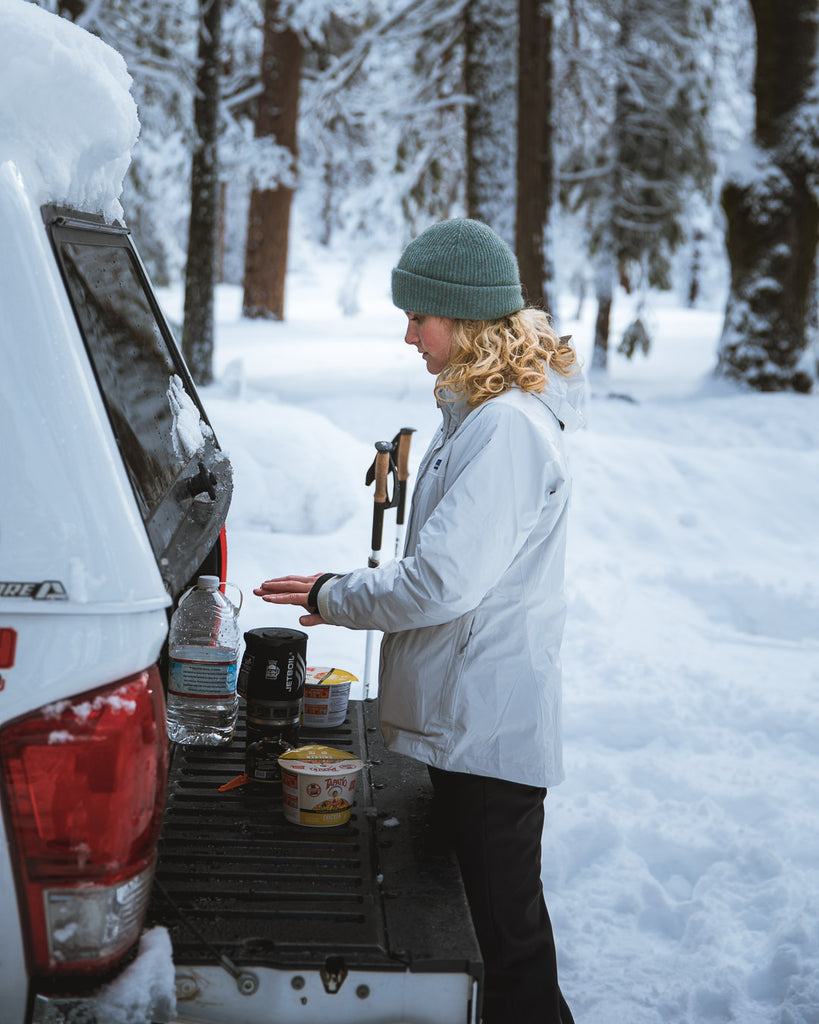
84	789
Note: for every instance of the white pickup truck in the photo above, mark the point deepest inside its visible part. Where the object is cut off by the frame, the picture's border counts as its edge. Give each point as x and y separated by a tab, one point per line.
131	888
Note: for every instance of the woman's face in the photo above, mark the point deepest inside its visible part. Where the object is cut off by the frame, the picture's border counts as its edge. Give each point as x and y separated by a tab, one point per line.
432	336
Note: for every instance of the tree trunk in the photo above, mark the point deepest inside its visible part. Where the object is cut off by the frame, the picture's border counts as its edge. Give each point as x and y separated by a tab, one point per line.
772	213
491	118
695	268
604	291
608	265
269	216
221	232
200	273
71	9
535	172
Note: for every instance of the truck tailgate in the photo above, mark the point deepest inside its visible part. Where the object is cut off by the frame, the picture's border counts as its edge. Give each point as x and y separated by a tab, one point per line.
275	922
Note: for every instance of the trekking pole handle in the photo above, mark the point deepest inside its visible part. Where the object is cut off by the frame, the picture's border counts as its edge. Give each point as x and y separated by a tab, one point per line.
404	439
401	444
382	471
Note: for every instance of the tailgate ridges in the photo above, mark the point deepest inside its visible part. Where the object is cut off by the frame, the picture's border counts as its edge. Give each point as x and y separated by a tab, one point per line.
235	876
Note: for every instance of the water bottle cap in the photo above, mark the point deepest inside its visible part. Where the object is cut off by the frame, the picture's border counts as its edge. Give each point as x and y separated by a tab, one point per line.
208	582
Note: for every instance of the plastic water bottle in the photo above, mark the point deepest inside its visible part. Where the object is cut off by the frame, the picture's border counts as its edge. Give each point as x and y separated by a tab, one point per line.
204	651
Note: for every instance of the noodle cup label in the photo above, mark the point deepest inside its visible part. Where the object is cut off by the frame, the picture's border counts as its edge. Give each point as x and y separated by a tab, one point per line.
318	785
326	693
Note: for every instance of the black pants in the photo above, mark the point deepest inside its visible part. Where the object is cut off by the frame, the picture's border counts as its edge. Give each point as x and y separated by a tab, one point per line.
495	828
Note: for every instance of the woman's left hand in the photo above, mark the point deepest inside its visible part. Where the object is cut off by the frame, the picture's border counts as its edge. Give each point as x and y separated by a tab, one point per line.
291	590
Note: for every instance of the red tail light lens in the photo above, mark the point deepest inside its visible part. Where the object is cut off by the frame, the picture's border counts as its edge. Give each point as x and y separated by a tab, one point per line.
8	642
84	789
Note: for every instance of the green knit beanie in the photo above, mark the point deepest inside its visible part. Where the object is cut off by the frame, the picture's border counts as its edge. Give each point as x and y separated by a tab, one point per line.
460	269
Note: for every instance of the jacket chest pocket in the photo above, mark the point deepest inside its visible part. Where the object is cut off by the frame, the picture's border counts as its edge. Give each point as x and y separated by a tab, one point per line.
429	488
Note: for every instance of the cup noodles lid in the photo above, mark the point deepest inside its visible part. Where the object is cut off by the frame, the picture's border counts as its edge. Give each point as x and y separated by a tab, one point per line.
328	676
315	759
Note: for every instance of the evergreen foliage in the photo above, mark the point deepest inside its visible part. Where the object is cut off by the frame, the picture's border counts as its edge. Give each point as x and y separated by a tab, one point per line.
635	338
403	112
383	118
635	143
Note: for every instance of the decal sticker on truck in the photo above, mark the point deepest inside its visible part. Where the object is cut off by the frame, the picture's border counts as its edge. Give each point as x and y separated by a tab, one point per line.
48	590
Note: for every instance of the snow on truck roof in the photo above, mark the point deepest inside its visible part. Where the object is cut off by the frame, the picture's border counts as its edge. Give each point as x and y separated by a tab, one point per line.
68	121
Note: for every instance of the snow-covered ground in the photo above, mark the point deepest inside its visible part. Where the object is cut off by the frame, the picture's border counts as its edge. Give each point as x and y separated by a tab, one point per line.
681	856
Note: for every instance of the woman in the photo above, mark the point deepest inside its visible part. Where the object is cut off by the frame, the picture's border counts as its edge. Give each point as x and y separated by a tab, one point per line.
473	612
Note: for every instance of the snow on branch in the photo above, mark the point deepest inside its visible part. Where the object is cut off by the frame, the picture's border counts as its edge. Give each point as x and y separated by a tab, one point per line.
585	175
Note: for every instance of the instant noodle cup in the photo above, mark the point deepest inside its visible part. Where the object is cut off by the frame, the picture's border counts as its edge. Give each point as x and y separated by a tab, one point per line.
318	785
326	693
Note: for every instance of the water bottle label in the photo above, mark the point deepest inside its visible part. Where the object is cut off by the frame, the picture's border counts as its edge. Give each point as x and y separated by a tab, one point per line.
202	678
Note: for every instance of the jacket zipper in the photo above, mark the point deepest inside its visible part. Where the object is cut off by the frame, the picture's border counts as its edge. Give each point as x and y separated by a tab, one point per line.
448	428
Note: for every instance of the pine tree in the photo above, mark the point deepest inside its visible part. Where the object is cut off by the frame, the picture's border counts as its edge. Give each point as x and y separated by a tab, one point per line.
491	35
269	215
727	60
200	272
509	129
642	144
383	117
425	96
535	156
771	204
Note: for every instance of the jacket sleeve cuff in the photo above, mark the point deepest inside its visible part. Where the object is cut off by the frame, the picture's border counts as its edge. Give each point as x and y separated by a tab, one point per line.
313	605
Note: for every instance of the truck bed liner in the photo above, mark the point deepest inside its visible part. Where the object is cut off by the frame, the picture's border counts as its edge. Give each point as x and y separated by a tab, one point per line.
236	880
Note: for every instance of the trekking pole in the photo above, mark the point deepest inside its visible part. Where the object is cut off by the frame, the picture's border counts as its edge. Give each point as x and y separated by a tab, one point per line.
379	472
401	446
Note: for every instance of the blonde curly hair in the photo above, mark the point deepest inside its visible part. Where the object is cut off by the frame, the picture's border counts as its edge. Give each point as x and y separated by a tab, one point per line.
488	357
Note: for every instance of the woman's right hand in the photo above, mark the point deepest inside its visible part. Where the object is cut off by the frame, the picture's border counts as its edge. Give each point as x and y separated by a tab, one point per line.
291	590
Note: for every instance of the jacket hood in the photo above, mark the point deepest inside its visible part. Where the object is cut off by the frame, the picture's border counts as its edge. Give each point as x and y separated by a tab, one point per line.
566	398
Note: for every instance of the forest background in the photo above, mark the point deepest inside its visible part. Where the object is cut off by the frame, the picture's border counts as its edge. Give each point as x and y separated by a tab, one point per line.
618	145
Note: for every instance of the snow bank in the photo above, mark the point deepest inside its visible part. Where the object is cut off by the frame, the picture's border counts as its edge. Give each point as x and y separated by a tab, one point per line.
67	118
291	468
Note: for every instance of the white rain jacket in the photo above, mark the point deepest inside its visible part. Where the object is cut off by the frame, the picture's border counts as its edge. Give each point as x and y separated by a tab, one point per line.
473	613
